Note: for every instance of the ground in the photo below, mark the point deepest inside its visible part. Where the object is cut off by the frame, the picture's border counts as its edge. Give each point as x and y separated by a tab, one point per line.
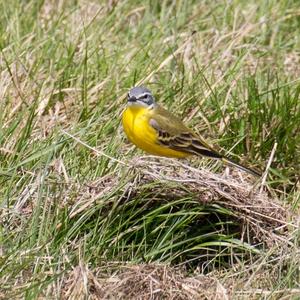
84	214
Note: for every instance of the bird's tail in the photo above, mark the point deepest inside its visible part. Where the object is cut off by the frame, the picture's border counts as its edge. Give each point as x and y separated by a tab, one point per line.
241	167
198	147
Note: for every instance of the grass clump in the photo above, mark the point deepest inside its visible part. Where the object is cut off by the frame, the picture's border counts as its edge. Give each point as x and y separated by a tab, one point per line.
79	205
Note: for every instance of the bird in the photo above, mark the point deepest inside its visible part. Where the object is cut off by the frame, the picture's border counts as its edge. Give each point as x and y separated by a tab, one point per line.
158	132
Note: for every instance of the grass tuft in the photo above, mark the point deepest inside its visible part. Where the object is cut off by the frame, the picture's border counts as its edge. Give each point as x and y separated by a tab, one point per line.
83	214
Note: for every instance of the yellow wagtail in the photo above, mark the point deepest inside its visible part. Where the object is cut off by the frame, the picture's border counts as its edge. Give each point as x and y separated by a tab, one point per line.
156	131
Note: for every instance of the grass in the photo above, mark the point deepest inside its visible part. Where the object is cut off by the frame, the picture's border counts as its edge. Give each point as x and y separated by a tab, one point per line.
78	204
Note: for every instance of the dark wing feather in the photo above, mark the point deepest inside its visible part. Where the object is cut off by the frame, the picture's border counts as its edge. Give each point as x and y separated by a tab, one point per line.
172	133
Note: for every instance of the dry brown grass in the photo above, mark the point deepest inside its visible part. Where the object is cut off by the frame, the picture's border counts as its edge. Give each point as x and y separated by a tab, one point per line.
268	220
193	60
265	215
143	281
160	281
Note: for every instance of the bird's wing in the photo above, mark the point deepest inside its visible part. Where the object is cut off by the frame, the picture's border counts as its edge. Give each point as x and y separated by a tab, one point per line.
172	133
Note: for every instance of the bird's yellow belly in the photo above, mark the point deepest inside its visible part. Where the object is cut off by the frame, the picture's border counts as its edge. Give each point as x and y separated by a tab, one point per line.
139	132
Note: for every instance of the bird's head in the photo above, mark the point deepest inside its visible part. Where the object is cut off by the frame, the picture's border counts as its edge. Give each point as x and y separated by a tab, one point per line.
140	95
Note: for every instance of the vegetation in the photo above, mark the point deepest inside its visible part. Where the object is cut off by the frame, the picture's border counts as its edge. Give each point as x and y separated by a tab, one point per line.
84	213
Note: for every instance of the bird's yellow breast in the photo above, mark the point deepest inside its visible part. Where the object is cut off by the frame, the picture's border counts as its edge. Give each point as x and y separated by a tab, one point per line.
138	130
